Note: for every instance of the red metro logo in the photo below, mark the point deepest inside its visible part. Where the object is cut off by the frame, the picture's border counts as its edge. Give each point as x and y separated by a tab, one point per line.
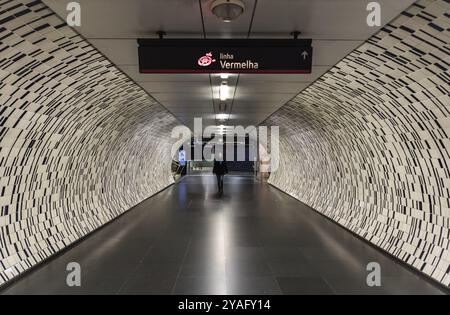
206	60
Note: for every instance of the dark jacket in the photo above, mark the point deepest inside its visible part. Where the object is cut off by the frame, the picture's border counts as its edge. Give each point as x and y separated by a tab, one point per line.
220	168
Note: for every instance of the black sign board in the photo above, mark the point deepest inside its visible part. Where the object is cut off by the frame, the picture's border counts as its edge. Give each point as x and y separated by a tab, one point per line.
291	56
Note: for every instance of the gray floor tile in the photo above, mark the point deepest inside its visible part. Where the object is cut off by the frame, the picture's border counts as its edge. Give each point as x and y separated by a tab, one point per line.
204	269
244	254
293	269
168	270
149	285
252	240
304	286
253	286
161	254
248	269
344	286
284	254
200	286
352	270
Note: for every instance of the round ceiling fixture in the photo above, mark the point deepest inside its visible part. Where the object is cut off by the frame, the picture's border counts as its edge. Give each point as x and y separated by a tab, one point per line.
228	10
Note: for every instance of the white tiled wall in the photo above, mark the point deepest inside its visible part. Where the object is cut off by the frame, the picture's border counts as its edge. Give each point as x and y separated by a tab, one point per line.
80	143
368	144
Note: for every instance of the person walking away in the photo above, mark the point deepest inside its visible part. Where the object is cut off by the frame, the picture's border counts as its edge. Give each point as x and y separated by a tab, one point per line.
220	169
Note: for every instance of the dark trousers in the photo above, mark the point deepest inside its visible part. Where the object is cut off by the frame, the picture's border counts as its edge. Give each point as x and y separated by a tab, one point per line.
220	181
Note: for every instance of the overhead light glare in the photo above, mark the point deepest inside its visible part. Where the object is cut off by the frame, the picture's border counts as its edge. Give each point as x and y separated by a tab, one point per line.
224	92
224	76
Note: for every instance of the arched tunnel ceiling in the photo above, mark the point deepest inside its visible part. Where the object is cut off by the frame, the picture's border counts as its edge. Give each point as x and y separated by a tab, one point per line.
337	27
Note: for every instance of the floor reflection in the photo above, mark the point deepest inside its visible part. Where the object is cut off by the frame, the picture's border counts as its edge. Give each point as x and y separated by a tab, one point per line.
251	240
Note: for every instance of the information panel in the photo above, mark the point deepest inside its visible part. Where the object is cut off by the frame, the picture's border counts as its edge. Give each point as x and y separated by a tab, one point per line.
292	56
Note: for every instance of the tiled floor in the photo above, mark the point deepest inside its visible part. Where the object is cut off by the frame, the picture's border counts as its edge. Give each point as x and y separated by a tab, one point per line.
252	240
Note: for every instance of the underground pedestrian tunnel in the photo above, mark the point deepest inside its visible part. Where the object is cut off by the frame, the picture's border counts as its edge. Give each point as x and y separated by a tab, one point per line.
87	161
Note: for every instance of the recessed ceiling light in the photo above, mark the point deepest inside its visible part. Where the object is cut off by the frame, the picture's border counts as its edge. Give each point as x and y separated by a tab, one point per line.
228	10
224	76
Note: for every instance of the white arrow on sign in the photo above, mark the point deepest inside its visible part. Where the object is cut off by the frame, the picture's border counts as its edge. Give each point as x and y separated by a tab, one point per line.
305	55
